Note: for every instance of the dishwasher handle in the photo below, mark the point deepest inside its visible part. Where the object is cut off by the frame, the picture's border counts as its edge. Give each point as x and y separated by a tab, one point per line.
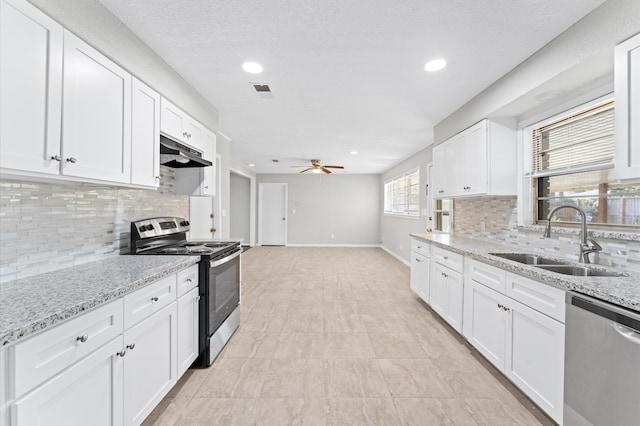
630	320
627	333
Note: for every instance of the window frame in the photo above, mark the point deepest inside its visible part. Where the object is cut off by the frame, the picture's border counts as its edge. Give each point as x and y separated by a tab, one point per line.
397	212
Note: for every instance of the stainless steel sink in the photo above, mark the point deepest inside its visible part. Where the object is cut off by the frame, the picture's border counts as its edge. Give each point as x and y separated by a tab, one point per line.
579	271
529	259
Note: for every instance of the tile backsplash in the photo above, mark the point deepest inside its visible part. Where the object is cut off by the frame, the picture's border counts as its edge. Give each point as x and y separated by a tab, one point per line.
499	215
49	226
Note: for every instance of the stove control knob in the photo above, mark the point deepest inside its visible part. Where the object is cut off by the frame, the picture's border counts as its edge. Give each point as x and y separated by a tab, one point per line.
149	227
142	228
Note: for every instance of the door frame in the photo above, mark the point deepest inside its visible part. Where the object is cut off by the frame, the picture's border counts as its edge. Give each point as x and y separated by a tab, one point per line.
286	210
252	204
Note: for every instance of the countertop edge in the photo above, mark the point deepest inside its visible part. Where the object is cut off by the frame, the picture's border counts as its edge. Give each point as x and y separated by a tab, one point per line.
592	286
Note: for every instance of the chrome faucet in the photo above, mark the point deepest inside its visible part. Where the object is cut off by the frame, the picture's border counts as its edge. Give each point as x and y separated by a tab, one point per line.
587	244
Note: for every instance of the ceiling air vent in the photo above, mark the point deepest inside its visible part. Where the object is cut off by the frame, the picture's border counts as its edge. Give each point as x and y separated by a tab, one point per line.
262	90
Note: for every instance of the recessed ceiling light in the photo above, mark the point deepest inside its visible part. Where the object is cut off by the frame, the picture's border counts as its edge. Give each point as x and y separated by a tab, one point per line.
435	65
251	165
353	152
252	67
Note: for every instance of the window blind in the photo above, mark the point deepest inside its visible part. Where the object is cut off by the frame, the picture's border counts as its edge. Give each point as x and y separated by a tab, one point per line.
402	194
581	141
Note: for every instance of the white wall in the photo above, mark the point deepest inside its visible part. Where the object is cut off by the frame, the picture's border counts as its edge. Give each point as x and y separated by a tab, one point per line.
345	206
95	24
598	32
394	230
239	207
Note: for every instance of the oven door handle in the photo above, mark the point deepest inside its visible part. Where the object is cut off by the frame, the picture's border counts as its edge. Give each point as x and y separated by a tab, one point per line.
226	259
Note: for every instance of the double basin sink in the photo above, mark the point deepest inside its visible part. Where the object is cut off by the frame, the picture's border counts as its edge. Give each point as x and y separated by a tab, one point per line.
557	266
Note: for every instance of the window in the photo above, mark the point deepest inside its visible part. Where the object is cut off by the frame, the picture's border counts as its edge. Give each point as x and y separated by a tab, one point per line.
442	215
402	195
573	164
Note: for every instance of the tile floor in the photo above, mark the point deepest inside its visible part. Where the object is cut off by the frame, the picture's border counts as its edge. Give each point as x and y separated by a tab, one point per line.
334	336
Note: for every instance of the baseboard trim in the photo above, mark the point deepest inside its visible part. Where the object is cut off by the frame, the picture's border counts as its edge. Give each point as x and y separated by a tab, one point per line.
395	255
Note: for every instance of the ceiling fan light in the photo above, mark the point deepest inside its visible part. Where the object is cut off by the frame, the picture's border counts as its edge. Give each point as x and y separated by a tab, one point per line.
316	171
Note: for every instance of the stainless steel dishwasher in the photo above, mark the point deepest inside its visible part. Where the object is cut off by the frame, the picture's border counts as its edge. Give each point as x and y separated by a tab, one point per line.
602	363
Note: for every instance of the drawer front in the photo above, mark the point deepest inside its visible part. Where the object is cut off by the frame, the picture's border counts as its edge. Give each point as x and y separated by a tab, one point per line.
37	359
488	275
420	247
537	295
148	300
449	259
187	279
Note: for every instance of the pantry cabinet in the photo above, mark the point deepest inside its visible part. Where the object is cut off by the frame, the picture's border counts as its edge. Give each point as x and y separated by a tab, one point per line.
96	119
31	46
145	135
480	160
627	93
525	342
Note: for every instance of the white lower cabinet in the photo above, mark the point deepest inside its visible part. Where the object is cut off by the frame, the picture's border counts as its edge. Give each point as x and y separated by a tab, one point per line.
90	392
420	275
109	366
446	294
150	368
524	343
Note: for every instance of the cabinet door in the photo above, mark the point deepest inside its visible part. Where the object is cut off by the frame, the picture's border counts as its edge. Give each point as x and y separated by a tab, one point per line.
535	357
439	172
150	367
485	323
439	294
420	275
187	345
209	173
96	130
474	152
145	135
627	90
455	300
194	133
31	87
88	393
452	167
172	121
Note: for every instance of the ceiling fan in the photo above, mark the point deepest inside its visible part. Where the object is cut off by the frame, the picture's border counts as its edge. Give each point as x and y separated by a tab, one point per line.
317	167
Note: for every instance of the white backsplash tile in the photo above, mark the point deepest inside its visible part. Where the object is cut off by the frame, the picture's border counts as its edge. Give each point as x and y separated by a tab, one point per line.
50	226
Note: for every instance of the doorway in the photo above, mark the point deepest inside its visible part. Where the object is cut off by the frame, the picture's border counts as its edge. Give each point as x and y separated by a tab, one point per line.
240	207
272	206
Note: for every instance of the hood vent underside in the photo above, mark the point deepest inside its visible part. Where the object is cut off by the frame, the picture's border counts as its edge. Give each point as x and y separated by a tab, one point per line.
177	155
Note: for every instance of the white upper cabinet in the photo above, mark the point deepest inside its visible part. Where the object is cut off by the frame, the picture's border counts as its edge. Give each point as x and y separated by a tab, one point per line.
480	160
96	130
178	125
31	87
627	98
145	135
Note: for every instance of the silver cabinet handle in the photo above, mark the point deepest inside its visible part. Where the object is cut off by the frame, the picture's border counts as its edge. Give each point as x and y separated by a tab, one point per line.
440	191
71	160
157	177
82	338
131	346
198	298
154	299
189	280
445	257
56	157
122	353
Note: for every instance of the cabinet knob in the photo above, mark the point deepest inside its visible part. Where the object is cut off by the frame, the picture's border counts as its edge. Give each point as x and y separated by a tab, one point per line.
212	230
154	299
71	160
500	306
211	215
441	191
206	187
417	260
122	353
189	280
82	338
56	157
132	346
198	298
445	257
157	177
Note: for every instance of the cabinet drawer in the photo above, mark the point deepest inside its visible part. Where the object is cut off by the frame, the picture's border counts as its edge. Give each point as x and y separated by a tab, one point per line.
420	247
187	279
539	296
149	300
449	259
488	275
37	359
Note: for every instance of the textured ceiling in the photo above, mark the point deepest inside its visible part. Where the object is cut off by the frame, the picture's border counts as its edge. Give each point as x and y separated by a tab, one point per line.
345	75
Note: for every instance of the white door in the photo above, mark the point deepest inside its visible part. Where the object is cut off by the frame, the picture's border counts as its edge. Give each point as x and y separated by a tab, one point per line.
273	214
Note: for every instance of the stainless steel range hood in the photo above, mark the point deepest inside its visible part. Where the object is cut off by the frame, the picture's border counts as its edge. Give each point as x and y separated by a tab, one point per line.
177	155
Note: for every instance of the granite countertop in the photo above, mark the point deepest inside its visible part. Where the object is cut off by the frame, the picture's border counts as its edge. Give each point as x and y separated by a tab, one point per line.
31	304
623	291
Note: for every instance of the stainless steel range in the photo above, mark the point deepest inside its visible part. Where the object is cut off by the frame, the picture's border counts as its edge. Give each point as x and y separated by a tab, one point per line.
219	277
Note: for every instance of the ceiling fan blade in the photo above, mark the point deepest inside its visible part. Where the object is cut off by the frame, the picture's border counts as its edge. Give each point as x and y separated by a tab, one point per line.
327	171
306	170
335	167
